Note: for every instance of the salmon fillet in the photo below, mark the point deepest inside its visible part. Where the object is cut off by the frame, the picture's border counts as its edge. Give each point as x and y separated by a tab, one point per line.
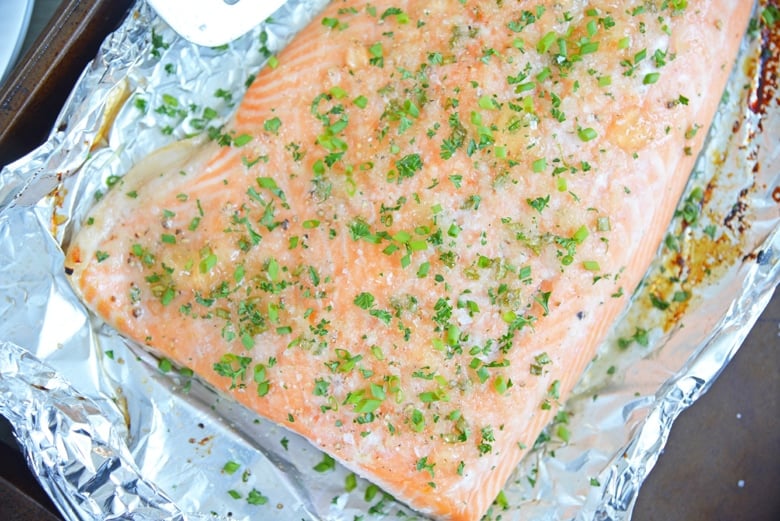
415	231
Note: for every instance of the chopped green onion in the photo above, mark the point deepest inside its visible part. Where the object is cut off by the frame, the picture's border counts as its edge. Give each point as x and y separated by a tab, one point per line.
587	134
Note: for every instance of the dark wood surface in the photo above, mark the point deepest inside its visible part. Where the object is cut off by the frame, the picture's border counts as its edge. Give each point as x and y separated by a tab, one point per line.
722	461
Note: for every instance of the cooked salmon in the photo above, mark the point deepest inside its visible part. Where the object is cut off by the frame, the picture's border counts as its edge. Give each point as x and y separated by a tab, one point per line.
419	225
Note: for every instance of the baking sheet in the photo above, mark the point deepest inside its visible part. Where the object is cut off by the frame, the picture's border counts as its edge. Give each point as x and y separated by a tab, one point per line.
112	432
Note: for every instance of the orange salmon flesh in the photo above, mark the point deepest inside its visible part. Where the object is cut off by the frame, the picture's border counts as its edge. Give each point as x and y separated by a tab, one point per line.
417	229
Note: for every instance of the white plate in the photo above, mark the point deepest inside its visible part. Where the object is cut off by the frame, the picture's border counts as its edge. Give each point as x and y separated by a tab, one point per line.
14	20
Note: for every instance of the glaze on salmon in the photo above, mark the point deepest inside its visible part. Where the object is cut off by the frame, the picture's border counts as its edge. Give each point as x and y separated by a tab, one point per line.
411	238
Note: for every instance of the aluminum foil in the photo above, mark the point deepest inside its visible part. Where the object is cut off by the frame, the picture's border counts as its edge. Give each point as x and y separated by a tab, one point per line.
113	433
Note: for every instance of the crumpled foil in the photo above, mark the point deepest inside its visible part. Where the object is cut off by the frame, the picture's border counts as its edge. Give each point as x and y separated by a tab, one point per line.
113	433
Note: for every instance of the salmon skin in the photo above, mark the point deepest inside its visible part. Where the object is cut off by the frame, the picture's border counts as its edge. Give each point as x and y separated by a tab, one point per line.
415	231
